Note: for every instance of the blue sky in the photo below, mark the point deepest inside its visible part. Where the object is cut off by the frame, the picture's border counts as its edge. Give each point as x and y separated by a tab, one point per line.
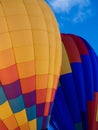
79	17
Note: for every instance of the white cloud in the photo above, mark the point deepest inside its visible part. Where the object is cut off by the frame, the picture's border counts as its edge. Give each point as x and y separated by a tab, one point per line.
66	6
81	16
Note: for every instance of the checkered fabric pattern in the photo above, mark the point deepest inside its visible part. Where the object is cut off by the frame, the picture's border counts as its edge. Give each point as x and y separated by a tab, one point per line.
30	60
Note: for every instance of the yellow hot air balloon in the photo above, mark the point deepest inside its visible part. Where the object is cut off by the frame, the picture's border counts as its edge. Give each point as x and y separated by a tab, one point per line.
30	60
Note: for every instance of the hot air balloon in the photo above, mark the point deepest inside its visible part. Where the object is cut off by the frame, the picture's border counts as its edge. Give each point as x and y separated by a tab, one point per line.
30	61
76	97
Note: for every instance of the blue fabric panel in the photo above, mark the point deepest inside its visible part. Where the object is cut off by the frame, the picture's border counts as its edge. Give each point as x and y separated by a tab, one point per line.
52	127
95	69
17	104
77	71
88	77
78	75
60	116
39	123
84	120
94	64
31	112
70	96
2	96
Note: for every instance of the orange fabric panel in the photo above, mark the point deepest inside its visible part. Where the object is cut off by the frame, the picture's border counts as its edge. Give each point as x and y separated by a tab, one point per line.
8	75
49	94
53	95
40	96
46	110
26	69
11	122
7	58
41	81
28	84
55	83
25	126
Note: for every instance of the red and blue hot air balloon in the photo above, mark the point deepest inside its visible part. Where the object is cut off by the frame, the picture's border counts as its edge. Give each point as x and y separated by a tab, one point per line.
75	105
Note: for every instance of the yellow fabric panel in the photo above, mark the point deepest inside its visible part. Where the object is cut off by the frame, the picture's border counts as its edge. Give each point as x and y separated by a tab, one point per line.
65	62
21	117
55	83
5	42
48	95
8	55
11	123
41	81
50	26
41	52
55	25
32	124
24	53
26	69
39	68
1	12
50	81
47	17
51	65
58	57
5	110
52	51
40	37
12	7
21	38
33	8
18	22
57	40
3	25
38	23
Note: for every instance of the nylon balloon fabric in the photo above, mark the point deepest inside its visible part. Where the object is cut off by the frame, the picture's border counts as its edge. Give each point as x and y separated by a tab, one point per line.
30	61
78	87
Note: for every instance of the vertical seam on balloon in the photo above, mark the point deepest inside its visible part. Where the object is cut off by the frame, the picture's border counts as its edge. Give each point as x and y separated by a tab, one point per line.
91	69
75	42
33	49
83	87
92	66
49	58
13	54
55	51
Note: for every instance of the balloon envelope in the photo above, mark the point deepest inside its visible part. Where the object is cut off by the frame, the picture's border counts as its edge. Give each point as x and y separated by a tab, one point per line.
79	86
30	60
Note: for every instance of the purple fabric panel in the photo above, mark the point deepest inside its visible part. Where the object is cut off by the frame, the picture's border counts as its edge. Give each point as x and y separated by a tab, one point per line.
29	99
40	109
12	90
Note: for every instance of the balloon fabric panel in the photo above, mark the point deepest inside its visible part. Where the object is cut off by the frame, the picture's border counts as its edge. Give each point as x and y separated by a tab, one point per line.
95	89
88	78
67	80
77	70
